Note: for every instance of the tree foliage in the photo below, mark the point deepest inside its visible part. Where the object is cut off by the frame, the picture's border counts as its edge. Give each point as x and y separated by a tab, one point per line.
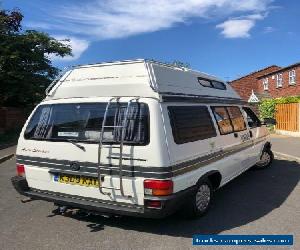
25	67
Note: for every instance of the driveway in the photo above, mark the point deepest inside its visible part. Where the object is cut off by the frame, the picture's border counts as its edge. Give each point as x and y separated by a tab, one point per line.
257	202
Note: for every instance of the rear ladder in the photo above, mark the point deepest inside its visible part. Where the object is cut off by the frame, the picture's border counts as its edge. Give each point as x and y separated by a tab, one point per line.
120	145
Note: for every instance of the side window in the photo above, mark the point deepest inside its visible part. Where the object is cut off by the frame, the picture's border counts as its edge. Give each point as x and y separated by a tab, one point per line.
237	119
191	123
211	83
252	119
218	85
229	119
223	120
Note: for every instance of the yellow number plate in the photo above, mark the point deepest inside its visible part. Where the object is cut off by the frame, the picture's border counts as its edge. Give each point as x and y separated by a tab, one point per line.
77	180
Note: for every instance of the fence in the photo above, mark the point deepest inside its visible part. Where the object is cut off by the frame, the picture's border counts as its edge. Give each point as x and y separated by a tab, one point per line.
11	118
287	117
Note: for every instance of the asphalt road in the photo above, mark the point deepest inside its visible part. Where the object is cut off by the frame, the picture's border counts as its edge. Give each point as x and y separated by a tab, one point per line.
257	202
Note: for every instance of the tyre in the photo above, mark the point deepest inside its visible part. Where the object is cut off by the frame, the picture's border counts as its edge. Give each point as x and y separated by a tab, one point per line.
199	203
266	160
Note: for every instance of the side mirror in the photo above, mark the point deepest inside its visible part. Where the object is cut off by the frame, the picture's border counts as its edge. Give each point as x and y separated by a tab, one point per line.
269	121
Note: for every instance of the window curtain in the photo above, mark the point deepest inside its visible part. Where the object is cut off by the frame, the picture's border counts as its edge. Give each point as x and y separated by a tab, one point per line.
43	126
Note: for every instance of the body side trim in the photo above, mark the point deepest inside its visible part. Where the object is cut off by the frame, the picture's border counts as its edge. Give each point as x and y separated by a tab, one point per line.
140	171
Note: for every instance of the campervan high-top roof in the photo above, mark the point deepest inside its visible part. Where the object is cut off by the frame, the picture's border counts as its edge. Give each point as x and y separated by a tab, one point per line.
140	78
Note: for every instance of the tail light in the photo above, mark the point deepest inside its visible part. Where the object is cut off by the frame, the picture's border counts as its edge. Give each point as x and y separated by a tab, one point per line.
20	170
158	187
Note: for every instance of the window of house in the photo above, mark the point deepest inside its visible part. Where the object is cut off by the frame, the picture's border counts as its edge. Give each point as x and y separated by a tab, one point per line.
266	84
279	80
191	123
292	77
229	119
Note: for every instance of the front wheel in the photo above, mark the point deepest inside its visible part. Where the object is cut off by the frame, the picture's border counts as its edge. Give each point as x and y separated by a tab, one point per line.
265	161
200	201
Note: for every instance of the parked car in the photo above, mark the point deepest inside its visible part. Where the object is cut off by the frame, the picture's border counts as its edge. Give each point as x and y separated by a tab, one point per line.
138	138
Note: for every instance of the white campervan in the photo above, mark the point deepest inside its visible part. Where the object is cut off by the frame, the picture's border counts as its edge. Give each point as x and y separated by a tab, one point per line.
137	138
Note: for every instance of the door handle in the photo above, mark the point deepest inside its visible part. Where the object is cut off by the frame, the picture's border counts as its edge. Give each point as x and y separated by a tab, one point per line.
235	135
250	133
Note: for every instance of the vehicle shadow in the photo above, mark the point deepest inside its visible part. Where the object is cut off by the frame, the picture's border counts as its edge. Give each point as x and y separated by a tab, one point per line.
247	198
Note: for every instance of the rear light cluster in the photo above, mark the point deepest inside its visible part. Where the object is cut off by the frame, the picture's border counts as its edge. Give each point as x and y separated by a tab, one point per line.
153	204
20	170
158	187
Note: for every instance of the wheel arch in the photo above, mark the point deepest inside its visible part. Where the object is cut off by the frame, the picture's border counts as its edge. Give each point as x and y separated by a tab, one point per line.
214	176
267	147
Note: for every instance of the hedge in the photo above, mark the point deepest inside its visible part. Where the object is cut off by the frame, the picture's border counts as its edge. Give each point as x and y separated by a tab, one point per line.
267	107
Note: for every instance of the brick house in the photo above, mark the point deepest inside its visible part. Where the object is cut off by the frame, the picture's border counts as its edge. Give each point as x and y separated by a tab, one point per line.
247	84
270	82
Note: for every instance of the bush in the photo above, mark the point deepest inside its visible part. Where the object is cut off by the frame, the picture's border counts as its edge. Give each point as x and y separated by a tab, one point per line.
267	107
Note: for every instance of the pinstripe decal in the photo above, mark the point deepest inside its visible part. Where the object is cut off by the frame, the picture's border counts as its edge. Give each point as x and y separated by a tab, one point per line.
90	168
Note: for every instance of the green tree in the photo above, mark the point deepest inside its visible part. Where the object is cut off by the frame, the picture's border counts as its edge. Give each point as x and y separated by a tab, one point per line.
25	67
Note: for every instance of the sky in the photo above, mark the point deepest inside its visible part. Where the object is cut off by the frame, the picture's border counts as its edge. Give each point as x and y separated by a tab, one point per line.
226	38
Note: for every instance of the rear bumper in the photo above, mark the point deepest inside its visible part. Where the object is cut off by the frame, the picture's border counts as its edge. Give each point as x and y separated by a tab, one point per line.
169	204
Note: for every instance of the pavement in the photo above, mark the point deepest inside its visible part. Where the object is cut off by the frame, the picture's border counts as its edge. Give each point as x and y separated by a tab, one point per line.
7	153
286	147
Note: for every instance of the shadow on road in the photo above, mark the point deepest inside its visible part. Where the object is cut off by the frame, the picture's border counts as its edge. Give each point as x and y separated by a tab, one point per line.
247	198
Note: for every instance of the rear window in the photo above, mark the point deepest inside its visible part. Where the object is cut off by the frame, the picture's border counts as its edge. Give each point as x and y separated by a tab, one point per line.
191	123
83	122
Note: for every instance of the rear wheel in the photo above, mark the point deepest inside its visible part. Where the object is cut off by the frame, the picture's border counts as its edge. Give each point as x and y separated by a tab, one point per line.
200	201
266	160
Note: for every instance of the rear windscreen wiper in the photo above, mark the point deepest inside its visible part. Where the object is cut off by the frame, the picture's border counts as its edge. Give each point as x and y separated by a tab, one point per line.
75	142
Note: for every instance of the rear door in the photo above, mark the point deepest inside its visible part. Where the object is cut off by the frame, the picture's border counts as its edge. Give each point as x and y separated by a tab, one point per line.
60	149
